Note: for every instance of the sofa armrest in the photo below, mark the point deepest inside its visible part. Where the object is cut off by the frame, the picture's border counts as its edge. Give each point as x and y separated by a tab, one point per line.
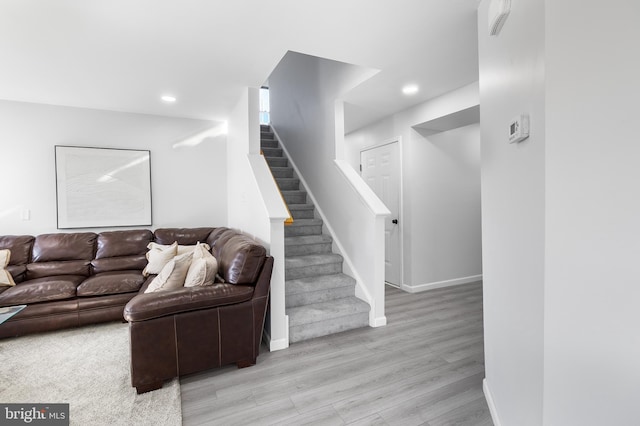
147	306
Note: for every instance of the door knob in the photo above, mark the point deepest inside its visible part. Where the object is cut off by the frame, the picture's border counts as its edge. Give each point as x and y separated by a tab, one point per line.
394	221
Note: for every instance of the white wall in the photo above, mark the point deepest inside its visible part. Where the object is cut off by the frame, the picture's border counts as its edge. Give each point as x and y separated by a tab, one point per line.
592	291
440	215
243	194
255	205
560	214
513	212
303	91
188	183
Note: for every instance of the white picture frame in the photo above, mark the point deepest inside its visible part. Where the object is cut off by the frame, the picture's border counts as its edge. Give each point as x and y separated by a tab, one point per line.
102	187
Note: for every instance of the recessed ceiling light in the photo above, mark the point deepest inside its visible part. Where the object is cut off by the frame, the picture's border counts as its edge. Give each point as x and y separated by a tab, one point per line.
168	98
410	89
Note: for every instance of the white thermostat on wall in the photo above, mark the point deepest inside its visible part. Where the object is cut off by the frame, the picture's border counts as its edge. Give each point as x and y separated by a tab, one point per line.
519	128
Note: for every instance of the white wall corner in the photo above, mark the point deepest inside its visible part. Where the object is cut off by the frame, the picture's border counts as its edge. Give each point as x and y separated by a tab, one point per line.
492	406
253	95
441	284
339	129
277	344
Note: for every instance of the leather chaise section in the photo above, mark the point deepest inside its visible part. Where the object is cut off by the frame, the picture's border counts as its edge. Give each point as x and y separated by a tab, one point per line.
153	305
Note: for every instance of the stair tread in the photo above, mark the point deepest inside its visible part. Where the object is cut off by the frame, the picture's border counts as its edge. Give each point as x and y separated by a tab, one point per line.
311	260
324	311
306	206
318	283
307	239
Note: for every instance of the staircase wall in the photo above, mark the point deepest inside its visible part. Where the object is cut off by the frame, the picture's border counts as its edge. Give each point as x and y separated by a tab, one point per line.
255	206
303	94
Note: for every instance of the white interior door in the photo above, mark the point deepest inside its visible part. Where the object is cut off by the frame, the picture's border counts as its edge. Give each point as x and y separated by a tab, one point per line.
380	168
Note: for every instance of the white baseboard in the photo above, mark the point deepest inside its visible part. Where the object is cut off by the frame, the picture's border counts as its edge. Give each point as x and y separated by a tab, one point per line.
490	403
440	284
378	322
279	344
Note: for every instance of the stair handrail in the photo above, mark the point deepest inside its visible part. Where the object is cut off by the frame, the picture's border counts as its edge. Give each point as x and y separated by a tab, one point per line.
289	220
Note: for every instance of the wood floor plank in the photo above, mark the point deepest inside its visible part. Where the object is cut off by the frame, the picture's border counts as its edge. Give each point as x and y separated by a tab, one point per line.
417	411
325	416
424	367
362	404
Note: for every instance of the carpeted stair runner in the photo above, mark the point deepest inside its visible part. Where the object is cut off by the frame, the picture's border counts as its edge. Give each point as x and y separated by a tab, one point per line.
320	299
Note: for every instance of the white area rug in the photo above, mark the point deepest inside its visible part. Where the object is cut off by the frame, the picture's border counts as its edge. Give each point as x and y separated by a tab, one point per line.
88	367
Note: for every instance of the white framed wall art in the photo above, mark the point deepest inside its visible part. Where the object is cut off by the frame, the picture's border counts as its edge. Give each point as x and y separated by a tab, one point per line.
102	187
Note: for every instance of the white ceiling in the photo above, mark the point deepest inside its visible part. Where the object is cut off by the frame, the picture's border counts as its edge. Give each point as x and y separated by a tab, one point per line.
123	55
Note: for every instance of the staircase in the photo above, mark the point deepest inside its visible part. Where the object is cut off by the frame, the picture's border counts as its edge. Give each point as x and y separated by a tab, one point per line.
320	299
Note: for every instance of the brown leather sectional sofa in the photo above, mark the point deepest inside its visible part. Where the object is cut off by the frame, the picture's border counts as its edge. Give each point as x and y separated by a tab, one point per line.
71	279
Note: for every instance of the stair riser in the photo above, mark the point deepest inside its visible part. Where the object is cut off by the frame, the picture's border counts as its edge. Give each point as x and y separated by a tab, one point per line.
288	184
296	231
266	143
277	162
302	214
305	249
282	173
272	152
313	271
295	197
310	331
301	299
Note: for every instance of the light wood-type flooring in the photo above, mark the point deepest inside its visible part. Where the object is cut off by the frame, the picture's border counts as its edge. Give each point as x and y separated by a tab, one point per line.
425	367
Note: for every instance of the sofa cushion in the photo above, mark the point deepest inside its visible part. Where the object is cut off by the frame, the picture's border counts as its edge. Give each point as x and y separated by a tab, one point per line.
123	243
182	249
113	282
184	236
20	246
61	254
221	236
172	275
66	267
41	290
153	305
122	263
18	272
158	256
240	260
58	247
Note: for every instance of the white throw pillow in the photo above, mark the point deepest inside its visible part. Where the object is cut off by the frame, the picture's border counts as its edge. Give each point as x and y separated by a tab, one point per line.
203	269
158	256
172	275
5	277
